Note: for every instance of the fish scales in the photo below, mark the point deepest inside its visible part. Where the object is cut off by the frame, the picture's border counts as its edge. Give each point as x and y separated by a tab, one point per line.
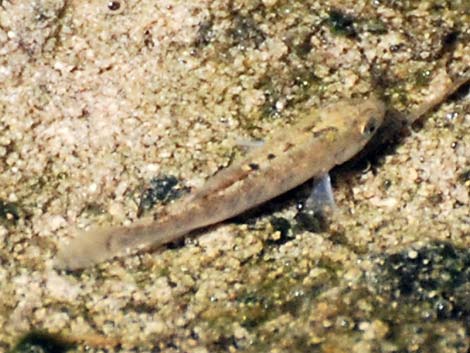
320	140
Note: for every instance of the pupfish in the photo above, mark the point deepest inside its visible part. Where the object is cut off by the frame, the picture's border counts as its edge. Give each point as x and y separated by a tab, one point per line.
310	148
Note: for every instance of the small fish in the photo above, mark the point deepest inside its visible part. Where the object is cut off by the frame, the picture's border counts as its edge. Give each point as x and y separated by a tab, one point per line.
322	139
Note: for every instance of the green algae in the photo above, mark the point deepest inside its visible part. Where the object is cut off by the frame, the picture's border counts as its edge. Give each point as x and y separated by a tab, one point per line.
273	86
430	286
375	26
408	295
423	77
246	32
259	303
205	34
464	177
437	273
162	190
341	24
41	342
10	212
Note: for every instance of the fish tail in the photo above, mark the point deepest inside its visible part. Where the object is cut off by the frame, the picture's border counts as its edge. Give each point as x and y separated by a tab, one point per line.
101	244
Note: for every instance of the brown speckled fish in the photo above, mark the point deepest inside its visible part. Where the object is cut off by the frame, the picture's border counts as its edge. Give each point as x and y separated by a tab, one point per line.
321	140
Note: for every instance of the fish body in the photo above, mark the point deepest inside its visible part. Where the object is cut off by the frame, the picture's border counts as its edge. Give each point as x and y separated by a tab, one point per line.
320	140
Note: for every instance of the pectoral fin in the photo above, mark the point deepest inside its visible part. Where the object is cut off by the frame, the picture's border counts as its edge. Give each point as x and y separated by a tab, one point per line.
321	200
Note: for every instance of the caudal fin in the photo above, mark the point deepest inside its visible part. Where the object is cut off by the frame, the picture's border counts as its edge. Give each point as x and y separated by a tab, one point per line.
101	244
86	249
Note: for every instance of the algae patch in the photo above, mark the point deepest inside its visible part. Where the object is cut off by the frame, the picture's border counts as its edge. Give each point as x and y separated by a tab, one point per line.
9	212
258	307
436	277
160	190
40	342
341	24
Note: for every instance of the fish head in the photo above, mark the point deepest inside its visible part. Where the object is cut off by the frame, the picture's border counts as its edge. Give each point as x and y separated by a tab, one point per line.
357	122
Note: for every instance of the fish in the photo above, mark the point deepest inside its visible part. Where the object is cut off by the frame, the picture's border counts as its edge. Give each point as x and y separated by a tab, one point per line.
319	140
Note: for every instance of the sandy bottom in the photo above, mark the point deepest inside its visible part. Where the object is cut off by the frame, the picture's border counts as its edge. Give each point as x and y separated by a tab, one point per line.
108	108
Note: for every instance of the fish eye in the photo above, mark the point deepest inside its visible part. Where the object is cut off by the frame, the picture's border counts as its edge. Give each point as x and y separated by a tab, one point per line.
370	127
